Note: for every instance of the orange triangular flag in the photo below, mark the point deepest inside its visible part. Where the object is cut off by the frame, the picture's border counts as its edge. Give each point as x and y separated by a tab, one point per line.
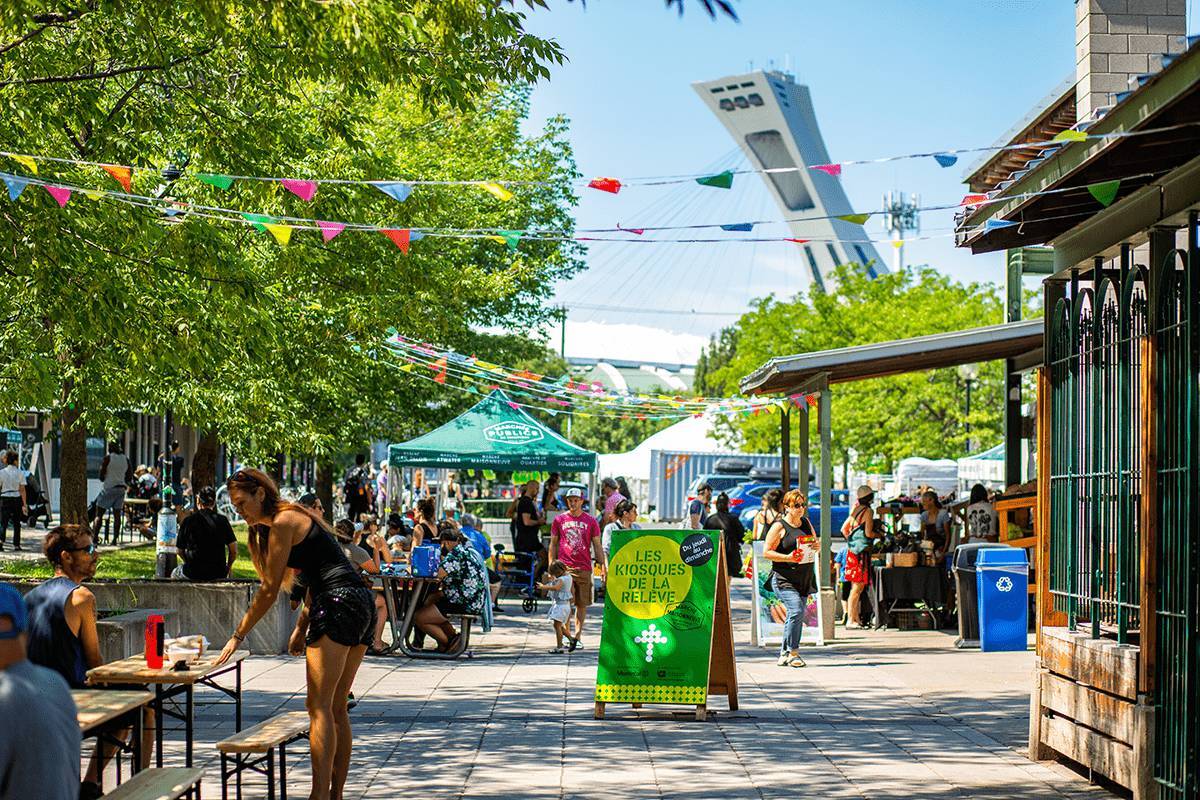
122	175
438	366
400	238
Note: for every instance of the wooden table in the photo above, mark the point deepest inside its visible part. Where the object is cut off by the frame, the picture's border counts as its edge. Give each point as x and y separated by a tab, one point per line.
403	596
101	711
169	684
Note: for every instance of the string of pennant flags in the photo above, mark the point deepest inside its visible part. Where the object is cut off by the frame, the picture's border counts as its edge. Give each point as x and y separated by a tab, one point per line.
281	227
400	189
566	395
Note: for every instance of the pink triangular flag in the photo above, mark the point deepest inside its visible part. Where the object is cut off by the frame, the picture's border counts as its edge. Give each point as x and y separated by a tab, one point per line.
638	231
61	195
305	190
829	169
330	229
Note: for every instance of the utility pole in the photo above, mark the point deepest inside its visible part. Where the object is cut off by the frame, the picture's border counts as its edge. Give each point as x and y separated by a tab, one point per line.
900	216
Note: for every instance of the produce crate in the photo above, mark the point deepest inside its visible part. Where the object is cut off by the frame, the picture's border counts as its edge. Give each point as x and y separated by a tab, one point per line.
913	619
905	559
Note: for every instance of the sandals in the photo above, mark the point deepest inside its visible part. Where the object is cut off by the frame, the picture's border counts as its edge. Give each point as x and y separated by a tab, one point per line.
557	651
574	645
796	661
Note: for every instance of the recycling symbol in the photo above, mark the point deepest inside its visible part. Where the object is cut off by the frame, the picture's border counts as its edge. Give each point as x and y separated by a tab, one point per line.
1005	584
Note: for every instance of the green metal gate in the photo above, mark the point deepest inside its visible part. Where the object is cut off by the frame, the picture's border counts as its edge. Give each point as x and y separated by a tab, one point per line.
1177	710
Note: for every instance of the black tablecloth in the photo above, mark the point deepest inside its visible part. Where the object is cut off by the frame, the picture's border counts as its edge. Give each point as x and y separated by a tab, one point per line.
913	583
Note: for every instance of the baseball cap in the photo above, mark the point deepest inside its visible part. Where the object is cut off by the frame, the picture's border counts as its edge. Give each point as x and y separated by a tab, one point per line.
574	491
12	605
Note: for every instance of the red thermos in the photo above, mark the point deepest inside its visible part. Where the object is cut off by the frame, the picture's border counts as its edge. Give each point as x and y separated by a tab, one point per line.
154	641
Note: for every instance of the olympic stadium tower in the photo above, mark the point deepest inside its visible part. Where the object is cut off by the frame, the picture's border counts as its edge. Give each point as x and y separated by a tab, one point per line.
771	118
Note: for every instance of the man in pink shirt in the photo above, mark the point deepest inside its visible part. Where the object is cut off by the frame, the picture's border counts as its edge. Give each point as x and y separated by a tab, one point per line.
575	541
612	495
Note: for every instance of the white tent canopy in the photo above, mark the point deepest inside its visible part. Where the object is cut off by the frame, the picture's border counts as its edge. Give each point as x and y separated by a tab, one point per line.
690	434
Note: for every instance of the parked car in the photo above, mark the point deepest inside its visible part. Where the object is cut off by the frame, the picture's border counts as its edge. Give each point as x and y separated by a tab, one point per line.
750	501
720	482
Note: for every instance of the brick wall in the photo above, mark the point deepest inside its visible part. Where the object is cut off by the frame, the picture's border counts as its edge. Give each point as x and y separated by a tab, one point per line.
1116	40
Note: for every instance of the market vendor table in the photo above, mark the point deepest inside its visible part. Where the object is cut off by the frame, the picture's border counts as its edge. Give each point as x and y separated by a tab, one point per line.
896	584
403	596
101	711
169	684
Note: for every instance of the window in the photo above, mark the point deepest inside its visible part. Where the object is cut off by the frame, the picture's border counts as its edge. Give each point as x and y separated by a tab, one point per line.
726	104
769	148
747	83
717	89
755	99
812	261
833	254
741	102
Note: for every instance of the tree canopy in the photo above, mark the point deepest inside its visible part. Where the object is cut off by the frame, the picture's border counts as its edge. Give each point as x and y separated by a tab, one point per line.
875	422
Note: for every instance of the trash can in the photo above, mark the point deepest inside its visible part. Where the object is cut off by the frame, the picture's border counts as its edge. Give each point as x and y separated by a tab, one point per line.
1003	578
968	591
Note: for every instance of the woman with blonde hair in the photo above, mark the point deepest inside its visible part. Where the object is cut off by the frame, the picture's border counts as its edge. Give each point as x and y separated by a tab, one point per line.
336	623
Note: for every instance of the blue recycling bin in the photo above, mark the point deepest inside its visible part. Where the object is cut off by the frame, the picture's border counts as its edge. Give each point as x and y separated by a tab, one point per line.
1002	577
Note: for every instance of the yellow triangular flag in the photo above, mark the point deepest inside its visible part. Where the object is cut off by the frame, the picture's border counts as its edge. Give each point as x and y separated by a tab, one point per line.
497	191
1070	136
406	367
898	243
93	194
26	162
282	233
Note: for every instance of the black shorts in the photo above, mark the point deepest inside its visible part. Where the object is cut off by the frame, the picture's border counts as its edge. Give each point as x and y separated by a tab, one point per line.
345	614
450	609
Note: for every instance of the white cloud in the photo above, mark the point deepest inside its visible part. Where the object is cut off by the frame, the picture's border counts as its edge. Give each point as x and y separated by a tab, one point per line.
626	341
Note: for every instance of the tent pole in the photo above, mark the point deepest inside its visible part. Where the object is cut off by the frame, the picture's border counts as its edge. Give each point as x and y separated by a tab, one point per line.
825	603
785	449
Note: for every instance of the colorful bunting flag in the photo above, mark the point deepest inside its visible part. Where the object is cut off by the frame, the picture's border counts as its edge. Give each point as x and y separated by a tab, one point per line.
829	169
122	175
282	233
400	237
973	199
1105	193
610	185
330	229
258	221
996	224
898	243
222	182
739	226
723	180
797	241
407	367
638	231
439	367
508	238
496	190
26	162
857	219
1070	136
305	190
945	159
93	194
396	191
61	195
812	400
15	185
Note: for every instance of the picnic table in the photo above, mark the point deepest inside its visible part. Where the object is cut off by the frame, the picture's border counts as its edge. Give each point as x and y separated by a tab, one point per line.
101	711
169	684
403	595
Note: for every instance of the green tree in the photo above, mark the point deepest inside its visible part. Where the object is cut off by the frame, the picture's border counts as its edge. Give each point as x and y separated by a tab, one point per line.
880	421
116	307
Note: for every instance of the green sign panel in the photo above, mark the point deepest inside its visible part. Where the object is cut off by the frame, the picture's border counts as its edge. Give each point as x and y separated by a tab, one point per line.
658	617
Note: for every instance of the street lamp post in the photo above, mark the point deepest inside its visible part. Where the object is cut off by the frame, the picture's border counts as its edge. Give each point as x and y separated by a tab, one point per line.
969	374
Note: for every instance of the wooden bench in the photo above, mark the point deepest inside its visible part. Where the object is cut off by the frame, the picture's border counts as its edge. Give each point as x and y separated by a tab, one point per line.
166	783
250	748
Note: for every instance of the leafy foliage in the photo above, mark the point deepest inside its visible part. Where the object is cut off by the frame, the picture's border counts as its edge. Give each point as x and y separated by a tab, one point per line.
875	422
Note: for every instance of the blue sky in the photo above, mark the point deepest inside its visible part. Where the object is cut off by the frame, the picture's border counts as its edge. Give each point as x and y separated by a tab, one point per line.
887	77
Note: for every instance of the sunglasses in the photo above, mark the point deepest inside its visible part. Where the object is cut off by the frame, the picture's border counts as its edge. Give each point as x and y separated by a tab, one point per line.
90	549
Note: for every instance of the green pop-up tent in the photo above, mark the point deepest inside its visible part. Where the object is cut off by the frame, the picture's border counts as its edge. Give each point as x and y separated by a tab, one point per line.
495	433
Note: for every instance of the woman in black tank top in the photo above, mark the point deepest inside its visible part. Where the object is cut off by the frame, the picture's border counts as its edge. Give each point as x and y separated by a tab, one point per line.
335	625
789	548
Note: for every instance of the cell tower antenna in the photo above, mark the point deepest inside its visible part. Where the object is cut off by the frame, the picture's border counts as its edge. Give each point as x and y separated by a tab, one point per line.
900	216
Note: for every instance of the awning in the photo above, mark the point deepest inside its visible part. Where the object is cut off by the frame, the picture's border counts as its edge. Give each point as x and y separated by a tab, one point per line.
791	373
495	433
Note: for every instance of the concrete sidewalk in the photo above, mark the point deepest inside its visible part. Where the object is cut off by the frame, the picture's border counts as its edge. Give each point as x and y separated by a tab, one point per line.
878	715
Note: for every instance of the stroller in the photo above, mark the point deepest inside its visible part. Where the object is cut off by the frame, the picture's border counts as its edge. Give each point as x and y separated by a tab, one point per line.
518	574
37	502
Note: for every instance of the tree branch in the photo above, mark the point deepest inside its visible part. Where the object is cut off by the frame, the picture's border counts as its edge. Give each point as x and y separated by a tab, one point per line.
91	76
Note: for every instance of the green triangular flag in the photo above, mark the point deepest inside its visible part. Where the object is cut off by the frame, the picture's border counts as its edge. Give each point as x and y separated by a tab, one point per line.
258	221
723	180
857	219
511	239
1105	192
489	475
472	390
222	182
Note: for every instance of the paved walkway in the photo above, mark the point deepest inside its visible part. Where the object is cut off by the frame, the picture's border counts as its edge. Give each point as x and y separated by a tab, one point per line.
879	715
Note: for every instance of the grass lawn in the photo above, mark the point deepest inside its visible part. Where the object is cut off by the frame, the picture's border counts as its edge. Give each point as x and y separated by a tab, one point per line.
127	563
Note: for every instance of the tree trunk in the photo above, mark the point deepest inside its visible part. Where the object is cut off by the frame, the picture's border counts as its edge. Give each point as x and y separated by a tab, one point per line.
72	488
204	462
275	468
325	485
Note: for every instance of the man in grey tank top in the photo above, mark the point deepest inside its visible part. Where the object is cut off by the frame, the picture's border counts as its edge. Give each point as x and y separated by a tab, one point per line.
116	472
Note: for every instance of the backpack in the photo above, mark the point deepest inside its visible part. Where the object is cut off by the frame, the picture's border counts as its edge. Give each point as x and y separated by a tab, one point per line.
354	483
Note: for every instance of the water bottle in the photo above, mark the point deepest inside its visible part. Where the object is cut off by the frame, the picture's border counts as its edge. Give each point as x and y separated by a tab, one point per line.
154	641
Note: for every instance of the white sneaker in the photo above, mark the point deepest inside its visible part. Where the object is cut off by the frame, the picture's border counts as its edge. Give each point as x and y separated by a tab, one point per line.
784	659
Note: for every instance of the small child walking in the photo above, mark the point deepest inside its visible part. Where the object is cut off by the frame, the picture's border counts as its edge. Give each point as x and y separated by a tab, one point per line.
558	586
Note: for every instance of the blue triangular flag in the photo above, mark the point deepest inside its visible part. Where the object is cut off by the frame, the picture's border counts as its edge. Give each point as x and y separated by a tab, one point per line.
995	224
15	185
739	226
945	159
396	191
415	236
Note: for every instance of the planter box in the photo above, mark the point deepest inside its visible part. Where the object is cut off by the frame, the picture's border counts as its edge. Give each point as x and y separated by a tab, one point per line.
211	609
124	635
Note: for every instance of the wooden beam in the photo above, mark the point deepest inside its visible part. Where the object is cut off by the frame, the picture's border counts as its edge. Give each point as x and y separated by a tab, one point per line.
1046	615
1110	758
1101	663
785	448
1110	715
